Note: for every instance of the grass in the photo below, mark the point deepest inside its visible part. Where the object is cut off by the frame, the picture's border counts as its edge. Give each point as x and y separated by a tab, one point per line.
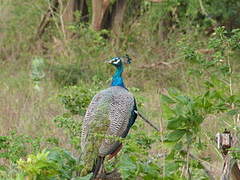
156	66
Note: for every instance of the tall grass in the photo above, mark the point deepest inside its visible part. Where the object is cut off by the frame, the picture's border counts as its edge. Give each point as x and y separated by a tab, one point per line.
158	64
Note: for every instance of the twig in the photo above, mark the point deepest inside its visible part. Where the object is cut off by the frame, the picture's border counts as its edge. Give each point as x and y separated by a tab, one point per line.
61	18
147	121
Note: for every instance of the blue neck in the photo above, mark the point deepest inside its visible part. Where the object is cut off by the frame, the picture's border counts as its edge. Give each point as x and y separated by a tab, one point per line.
117	79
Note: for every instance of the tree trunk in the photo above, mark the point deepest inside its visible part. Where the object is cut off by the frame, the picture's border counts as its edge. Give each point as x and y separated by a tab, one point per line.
81	5
99	10
106	17
71	7
118	15
68	11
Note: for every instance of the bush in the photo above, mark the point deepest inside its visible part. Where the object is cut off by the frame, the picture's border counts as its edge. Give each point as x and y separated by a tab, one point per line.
49	164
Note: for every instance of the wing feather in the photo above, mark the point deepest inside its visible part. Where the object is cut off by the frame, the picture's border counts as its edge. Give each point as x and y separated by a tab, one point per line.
108	114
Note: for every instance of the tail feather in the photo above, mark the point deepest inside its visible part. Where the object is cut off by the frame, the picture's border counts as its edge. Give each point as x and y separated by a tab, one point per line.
97	166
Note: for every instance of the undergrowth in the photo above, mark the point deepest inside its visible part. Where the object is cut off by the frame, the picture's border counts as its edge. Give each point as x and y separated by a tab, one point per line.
183	82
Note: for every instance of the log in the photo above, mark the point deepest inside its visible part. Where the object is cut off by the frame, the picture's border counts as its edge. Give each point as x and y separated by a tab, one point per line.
230	169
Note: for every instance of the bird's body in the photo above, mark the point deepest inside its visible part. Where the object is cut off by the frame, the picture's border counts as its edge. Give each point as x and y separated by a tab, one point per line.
109	116
110	113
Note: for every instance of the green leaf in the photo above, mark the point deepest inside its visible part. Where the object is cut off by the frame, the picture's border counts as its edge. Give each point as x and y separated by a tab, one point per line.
232	112
167	111
209	84
168	144
183	99
176	135
173	92
167	99
171	168
87	177
172	154
174	124
127	166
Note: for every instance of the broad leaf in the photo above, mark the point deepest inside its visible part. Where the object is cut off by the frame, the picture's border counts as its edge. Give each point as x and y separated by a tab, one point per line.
176	135
174	124
167	111
167	99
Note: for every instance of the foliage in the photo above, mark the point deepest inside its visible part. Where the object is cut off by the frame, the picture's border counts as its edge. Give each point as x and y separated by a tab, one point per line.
134	161
225	15
38	167
139	98
17	36
66	75
14	146
53	163
72	128
185	114
37	72
77	98
37	69
203	64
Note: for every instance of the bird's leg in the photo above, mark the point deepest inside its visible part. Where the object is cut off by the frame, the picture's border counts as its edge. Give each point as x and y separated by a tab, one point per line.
101	173
102	170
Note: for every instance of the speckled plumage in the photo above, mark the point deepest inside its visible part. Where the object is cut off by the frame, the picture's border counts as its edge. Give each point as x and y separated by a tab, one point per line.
110	114
114	105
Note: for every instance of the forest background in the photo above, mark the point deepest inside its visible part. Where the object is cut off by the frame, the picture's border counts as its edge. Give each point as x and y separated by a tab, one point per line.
184	75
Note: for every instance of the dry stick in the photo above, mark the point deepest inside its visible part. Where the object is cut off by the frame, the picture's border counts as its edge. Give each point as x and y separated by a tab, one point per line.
147	121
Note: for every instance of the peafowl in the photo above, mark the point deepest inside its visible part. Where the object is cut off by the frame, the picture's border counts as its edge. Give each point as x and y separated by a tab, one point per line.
109	116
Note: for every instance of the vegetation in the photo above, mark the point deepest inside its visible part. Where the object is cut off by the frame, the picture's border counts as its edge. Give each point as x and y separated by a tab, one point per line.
184	75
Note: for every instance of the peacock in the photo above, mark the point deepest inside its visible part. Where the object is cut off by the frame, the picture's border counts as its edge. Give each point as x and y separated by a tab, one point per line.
109	117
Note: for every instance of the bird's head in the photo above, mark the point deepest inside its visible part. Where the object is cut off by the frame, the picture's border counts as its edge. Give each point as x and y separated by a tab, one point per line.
119	61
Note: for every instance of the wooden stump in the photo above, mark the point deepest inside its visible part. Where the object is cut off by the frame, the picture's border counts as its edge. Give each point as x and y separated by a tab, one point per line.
230	167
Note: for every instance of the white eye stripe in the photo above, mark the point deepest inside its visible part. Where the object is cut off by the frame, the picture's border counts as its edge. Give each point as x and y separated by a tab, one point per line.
116	61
